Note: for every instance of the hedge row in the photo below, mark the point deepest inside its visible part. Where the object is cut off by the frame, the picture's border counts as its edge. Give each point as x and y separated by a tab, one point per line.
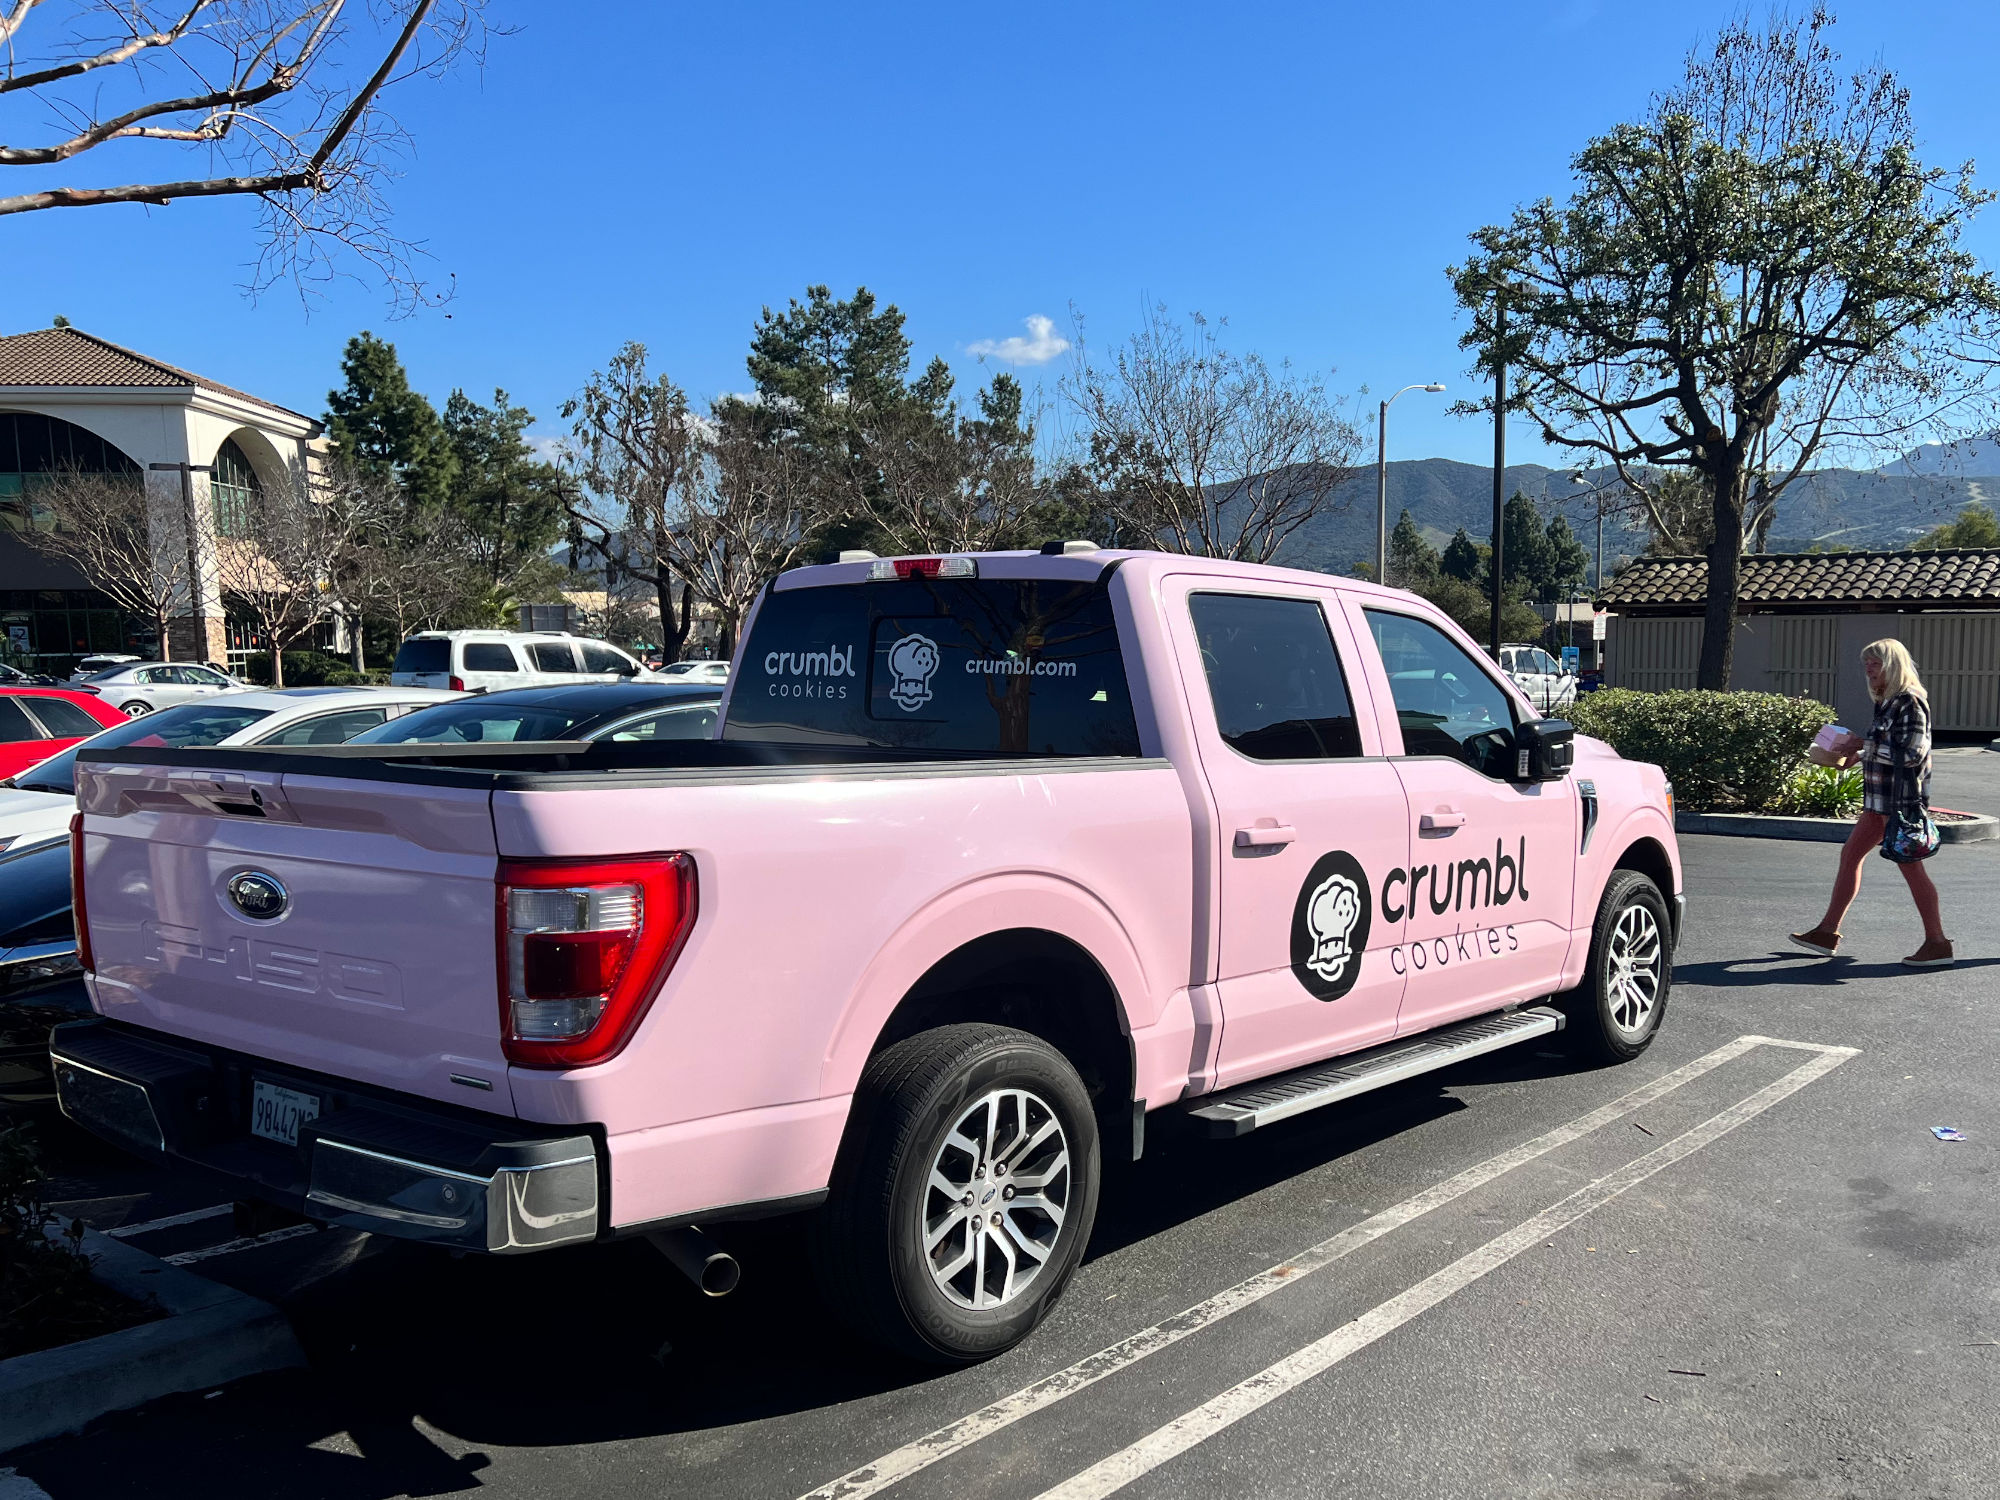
1722	751
308	668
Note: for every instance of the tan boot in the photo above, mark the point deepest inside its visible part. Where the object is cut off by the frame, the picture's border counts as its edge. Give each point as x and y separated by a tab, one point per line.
1819	941
1935	954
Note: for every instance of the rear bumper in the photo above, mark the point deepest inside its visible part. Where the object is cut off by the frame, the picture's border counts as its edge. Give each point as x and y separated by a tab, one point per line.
386	1164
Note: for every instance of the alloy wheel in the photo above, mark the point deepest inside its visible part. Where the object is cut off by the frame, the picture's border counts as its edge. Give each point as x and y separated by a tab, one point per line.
996	1199
1637	956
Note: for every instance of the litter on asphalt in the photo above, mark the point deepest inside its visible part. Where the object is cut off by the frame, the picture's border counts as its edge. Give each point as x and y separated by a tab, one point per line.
1947	1133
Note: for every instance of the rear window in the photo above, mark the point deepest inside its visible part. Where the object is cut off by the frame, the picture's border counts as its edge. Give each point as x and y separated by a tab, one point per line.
489	656
1004	665
423	656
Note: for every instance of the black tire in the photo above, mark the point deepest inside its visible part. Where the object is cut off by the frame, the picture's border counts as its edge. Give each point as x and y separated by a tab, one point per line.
1601	1010
137	708
869	1240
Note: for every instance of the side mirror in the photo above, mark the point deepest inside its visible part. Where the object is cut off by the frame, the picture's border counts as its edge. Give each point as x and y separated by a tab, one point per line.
1544	750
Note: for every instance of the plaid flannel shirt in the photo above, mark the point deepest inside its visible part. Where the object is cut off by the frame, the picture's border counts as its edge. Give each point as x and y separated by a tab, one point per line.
1896	757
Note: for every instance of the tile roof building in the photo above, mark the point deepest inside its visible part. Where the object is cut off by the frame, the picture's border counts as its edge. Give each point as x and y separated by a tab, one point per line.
1802	619
69	399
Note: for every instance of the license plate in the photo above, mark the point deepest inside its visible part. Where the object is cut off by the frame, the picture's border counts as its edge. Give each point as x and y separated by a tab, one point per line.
276	1114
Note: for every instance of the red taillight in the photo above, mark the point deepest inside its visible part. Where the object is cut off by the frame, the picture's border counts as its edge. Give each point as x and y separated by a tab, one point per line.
458	684
889	568
83	953
584	947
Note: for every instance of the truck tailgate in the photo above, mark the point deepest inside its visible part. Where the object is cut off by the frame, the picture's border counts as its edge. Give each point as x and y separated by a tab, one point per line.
365	950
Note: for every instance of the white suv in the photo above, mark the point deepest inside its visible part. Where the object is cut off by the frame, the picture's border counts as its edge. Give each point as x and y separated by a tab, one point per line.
486	661
1548	686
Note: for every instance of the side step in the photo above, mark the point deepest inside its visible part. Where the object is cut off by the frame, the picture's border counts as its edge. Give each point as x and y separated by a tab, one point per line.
1268	1100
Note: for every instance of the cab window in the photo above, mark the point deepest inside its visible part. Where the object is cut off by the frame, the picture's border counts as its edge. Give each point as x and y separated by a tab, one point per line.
1445	701
696	721
1276	684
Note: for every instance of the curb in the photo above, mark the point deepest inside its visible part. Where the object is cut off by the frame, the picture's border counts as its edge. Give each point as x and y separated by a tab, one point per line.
1975	828
212	1334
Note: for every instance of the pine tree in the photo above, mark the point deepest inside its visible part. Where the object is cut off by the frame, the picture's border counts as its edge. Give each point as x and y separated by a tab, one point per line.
1463	558
1565	563
1526	557
1413	562
383	429
507	498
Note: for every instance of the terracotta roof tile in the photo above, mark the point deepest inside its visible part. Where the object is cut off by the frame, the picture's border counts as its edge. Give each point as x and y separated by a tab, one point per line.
1960	575
71	357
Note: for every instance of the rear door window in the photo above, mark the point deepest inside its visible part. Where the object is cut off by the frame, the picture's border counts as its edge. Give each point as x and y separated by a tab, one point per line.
552	656
432	655
63	719
1276	684
1007	666
489	656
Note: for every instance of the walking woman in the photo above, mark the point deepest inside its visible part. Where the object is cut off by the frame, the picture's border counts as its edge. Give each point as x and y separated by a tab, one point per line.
1895	758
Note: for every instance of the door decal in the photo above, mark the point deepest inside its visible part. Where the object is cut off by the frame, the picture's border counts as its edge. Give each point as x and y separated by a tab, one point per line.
1330	923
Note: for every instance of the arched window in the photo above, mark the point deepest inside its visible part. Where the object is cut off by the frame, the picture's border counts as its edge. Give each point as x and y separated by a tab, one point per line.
32	445
234	489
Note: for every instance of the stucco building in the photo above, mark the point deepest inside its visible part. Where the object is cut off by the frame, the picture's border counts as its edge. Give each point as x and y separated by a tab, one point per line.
71	400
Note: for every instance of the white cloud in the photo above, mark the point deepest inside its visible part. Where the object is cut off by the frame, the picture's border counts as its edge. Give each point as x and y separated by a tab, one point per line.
1042	344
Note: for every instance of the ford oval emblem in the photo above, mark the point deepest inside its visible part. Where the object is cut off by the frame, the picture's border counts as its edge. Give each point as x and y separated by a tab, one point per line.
260	897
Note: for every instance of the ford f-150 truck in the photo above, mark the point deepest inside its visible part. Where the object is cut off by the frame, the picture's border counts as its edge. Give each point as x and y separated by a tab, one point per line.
992	857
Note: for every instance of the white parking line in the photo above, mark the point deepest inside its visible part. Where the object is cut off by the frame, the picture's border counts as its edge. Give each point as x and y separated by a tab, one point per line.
915	1456
230	1247
192	1216
1112	1474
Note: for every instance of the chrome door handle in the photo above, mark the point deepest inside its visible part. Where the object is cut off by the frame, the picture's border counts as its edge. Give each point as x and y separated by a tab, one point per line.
1444	820
1266	836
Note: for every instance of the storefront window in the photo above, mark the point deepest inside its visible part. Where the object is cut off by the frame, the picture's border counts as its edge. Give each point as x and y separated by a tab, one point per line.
234	488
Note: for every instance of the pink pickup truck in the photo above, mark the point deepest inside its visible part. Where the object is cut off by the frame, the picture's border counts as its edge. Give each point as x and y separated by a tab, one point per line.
993	856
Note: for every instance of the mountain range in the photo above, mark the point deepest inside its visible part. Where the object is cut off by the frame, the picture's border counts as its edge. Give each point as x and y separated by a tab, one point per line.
1858	508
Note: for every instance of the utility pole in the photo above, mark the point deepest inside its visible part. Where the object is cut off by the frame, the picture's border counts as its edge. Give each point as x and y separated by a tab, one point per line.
1499	457
187	473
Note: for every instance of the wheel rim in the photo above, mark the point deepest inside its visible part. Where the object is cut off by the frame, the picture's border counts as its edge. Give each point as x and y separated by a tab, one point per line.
136	710
1636	958
996	1199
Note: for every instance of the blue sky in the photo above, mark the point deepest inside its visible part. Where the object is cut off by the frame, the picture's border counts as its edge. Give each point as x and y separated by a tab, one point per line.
660	171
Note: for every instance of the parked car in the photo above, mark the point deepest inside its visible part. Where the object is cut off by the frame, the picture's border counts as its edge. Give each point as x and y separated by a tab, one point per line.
38	802
697	671
102	661
481	661
37	938
994	857
36	722
140	687
11	676
621	712
1538	674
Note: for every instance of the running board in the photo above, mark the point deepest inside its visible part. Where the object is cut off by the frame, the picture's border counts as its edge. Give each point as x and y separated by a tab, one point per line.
1268	1100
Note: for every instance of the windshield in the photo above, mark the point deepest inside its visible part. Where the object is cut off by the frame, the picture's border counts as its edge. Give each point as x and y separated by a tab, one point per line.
191	725
479	721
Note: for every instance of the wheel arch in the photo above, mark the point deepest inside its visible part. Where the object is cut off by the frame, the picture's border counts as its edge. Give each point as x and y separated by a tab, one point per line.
1649	857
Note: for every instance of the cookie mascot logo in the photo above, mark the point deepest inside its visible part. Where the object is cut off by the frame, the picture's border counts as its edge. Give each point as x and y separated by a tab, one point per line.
1330	926
913	661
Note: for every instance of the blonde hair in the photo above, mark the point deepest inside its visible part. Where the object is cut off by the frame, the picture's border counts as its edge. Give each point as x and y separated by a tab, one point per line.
1899	672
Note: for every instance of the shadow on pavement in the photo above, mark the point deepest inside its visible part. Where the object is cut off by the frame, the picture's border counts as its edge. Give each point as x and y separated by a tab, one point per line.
1787	967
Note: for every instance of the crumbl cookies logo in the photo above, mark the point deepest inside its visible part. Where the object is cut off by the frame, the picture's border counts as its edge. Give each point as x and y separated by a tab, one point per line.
1330	925
816	673
913	661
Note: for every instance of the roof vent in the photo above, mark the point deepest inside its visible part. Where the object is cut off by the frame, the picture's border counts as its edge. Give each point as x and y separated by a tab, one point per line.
1067	549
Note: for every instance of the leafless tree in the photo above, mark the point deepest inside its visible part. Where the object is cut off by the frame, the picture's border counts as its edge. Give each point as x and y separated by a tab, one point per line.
417	566
636	451
742	519
135	551
1205	451
947	482
280	100
282	564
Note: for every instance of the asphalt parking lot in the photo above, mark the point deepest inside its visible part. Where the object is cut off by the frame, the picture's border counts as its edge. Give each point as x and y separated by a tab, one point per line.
1732	1268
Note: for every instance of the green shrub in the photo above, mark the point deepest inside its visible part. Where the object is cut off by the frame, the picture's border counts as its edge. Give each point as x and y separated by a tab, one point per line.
1822	792
308	668
1738	751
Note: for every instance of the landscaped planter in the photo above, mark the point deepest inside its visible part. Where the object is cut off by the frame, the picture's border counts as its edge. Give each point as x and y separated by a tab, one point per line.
1953	827
210	1334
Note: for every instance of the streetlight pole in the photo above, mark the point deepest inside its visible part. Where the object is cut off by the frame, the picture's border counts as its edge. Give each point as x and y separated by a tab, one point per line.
1499	458
1597	494
1382	480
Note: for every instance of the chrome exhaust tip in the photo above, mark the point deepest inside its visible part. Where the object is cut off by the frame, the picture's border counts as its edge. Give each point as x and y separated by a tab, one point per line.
698	1258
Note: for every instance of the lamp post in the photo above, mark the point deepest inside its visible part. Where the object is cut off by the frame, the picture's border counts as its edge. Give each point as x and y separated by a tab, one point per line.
1597	494
1382	480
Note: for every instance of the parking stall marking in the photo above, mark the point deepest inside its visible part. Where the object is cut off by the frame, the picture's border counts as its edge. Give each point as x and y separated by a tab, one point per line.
231	1247
171	1221
913	1457
1109	1475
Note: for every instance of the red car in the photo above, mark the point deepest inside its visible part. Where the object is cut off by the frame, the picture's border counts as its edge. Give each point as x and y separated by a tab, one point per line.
36	722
